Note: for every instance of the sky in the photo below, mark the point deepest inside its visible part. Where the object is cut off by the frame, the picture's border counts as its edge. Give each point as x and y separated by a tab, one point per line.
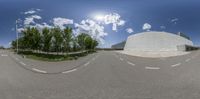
108	21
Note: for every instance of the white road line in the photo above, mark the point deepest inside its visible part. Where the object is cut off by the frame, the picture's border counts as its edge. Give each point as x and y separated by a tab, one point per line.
17	59
187	60
86	63
175	65
69	71
22	63
37	70
130	63
121	59
153	68
4	55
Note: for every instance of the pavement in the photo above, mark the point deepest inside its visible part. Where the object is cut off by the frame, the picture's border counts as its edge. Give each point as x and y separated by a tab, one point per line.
103	75
154	54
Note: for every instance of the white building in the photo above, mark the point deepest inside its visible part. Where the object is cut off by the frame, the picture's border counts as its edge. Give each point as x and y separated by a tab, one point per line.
156	41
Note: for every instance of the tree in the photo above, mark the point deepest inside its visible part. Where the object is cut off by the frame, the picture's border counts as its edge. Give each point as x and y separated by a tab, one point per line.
47	36
58	39
67	36
75	44
27	38
14	44
81	40
95	44
36	43
85	41
88	42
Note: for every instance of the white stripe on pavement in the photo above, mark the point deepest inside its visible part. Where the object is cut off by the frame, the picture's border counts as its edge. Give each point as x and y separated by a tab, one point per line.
154	68
175	65
69	71
22	63
130	63
37	70
86	63
187	60
121	59
4	55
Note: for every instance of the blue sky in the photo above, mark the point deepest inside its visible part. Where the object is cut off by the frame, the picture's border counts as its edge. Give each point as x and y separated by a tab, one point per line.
162	15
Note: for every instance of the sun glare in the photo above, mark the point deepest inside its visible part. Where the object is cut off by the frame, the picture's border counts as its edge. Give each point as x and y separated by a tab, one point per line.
99	17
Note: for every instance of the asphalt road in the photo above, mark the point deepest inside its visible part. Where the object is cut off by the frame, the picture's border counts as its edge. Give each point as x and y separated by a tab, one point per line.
103	75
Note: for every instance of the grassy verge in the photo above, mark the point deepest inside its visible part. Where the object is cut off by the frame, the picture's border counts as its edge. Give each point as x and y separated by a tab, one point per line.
51	57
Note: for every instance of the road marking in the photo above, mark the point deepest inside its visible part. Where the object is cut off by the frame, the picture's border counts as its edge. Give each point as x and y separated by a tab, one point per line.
154	68
130	63
4	55
69	71
121	59
22	63
86	63
17	59
175	65
37	70
187	60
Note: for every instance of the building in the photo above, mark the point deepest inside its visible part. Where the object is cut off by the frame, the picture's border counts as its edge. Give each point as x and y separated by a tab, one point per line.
119	46
158	41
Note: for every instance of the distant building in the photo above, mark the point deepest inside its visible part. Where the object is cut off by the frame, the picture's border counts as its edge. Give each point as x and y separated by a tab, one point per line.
119	46
183	35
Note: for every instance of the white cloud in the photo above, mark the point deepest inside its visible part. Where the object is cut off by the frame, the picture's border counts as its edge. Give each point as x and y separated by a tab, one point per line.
114	19
146	27
61	22
19	30
30	20
162	27
129	30
40	27
30	12
174	20
92	28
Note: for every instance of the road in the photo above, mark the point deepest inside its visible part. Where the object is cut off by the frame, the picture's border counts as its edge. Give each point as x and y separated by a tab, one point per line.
103	75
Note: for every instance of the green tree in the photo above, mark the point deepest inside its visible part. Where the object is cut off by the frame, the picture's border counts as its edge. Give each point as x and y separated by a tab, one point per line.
85	41
27	38
58	39
36	39
47	36
81	40
67	36
14	44
88	41
75	44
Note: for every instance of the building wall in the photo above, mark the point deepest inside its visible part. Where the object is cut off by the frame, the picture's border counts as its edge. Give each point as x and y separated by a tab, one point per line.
119	45
155	41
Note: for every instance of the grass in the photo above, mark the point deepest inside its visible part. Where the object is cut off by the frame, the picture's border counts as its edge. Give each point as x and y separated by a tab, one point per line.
51	57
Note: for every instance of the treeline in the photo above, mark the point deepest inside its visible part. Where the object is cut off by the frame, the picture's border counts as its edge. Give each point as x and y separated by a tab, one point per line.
54	40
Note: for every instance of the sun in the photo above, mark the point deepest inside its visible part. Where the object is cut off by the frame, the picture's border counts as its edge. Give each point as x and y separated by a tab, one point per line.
99	17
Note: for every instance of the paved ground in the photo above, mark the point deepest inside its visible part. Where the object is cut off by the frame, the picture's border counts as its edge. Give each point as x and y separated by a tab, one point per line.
153	54
104	75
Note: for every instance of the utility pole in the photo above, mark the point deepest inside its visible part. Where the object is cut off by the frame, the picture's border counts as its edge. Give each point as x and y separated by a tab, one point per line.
16	34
